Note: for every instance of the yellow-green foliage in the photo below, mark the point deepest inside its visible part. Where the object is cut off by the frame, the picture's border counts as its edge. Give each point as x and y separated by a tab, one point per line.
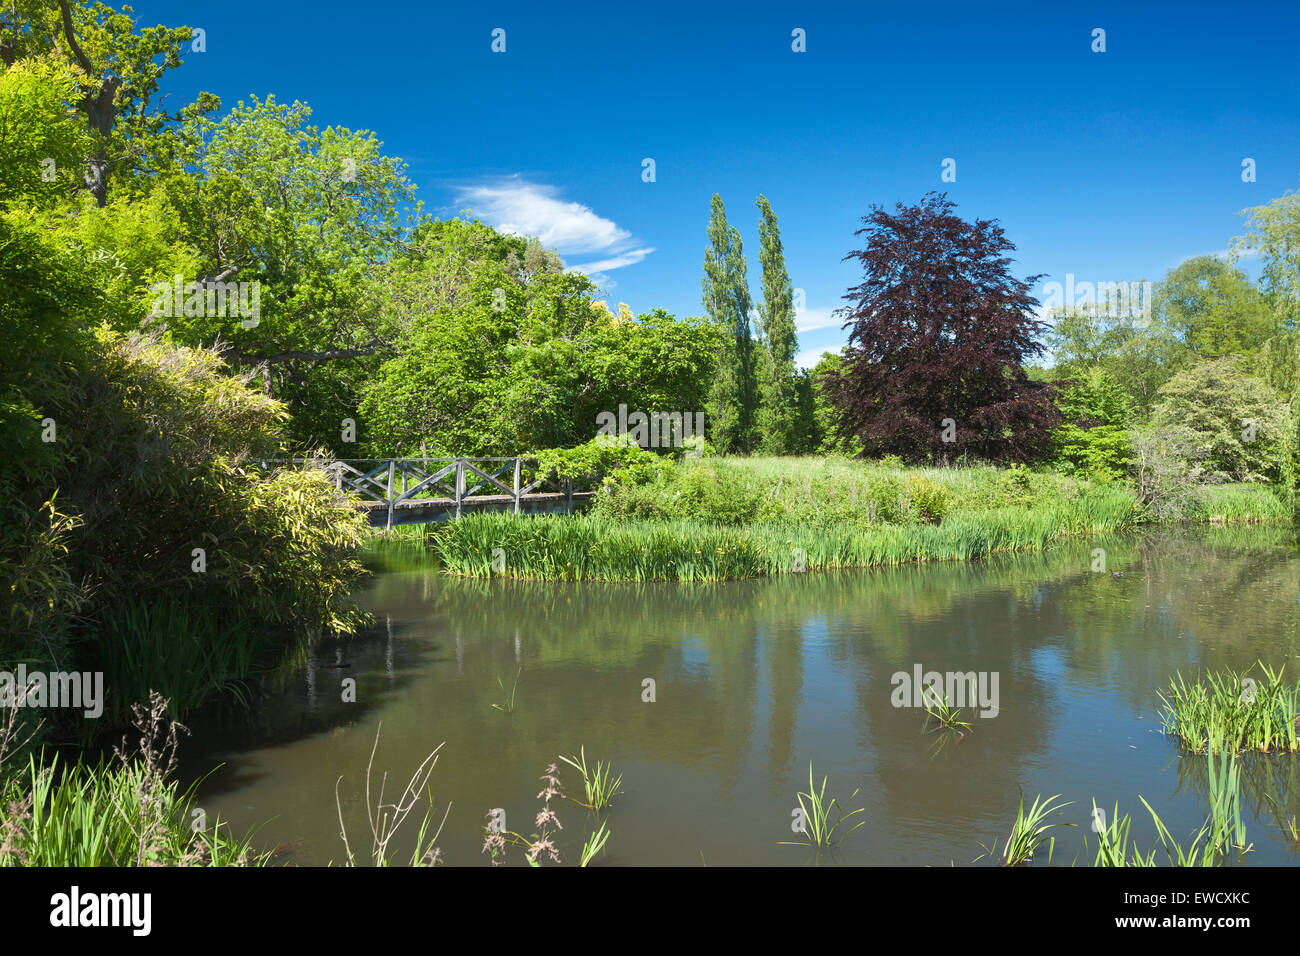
162	446
151	467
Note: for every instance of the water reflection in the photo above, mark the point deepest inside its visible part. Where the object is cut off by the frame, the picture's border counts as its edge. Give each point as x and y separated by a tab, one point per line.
756	680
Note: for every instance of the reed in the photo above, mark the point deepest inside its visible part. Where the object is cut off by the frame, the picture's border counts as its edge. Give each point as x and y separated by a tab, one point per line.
595	842
507	706
1238	504
599	784
937	709
1233	712
598	548
1113	846
1222	832
822	818
131	812
181	648
1029	832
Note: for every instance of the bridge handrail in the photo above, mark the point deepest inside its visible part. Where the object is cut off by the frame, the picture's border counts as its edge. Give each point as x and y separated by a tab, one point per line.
379	483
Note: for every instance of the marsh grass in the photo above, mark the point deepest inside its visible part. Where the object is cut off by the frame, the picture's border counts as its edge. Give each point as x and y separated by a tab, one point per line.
130	812
594	843
180	648
1233	712
1029	832
599	784
1238	504
946	717
1114	848
592	547
822	818
507	706
1221	836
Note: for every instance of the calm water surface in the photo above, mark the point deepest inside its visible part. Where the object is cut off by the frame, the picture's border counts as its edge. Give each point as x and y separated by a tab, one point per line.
754	681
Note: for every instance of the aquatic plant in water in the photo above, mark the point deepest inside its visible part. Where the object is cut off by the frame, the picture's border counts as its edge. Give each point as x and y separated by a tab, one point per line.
818	820
1029	832
1233	712
598	783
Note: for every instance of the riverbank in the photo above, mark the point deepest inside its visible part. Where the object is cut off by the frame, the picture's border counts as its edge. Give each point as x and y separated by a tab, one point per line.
741	518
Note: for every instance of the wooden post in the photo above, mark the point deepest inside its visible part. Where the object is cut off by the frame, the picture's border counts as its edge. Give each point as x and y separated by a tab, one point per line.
391	463
516	486
568	487
460	484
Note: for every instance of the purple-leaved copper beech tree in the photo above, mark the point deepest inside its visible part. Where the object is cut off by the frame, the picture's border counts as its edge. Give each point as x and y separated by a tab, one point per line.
940	332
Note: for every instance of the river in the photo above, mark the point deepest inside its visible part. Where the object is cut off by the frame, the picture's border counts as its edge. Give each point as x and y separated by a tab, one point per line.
755	680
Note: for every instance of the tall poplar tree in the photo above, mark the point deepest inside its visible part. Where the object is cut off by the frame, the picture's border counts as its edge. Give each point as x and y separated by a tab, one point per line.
734	397
779	404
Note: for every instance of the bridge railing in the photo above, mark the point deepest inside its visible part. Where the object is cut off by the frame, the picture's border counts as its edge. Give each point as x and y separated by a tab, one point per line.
454	481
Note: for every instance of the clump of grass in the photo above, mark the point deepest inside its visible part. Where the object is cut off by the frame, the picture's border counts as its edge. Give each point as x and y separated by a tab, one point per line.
132	813
1238	504
594	844
937	709
507	706
1233	712
1029	832
1222	832
822	818
599	784
1113	846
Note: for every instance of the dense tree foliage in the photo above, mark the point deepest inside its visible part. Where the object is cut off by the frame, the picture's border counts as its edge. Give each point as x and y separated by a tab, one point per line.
939	332
733	400
1238	420
779	411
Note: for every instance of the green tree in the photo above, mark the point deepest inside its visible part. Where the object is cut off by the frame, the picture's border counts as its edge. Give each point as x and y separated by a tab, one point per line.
1273	233
1238	420
118	69
1213	309
778	415
734	399
518	361
42	139
1094	439
308	215
1139	357
826	416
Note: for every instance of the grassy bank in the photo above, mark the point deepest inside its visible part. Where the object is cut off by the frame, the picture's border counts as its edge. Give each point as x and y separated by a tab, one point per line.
722	519
127	812
597	547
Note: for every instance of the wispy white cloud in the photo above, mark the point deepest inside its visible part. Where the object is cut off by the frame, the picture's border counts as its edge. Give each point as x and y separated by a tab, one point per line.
521	208
629	258
806	320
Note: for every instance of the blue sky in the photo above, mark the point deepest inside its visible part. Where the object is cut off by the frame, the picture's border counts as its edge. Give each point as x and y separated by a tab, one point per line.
1111	166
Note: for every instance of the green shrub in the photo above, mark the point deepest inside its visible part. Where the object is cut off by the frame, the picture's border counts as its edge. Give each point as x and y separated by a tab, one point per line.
1103	453
930	500
601	459
888	500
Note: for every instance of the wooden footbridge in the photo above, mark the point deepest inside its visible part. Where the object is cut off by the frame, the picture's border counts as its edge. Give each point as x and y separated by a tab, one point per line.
419	490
